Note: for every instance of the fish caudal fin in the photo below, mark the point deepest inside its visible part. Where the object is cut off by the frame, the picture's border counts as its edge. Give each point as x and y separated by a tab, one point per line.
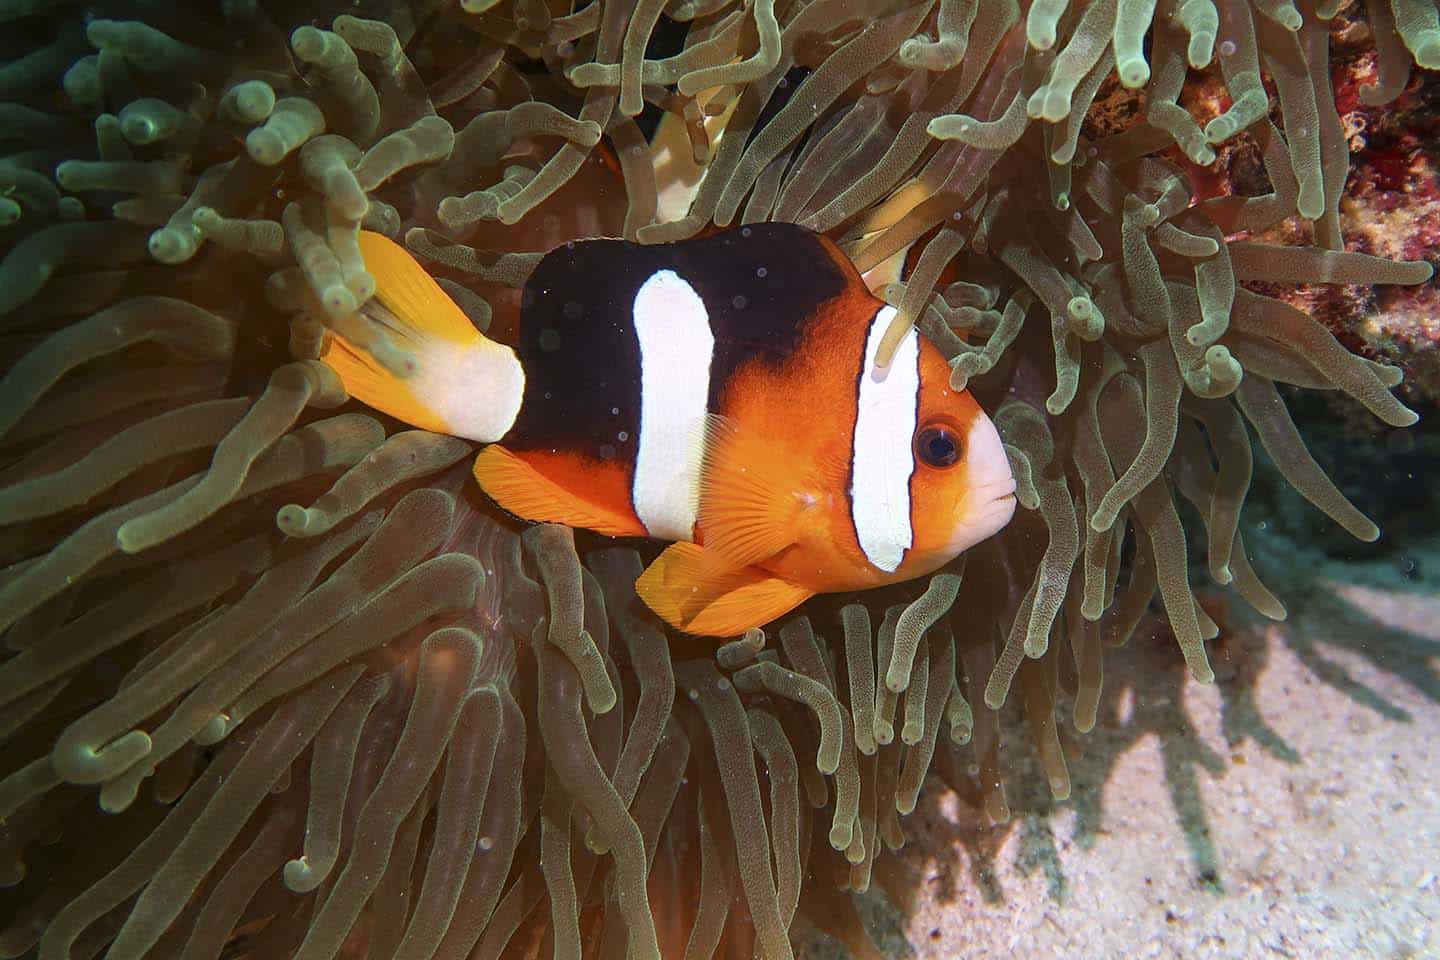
693	593
411	352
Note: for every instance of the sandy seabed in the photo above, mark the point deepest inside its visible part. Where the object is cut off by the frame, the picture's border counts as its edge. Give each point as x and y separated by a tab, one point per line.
1292	809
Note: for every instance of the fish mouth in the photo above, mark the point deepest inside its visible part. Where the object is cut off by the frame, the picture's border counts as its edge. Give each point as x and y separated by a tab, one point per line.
990	503
998	491
988	498
997	507
990	512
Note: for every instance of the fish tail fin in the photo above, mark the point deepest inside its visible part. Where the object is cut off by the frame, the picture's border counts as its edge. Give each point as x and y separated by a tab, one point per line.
411	352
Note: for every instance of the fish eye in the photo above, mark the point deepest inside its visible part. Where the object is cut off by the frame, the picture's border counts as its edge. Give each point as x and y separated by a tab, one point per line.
937	445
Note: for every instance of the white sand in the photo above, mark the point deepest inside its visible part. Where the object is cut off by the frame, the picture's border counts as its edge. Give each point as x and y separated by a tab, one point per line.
1292	809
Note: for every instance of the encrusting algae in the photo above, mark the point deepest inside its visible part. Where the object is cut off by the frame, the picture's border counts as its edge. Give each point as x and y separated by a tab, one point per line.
280	681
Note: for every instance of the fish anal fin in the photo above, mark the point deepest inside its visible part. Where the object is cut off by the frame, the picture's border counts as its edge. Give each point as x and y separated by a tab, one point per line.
527	493
689	591
750	504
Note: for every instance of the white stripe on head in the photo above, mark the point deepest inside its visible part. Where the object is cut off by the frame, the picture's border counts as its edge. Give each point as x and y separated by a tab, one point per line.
882	459
676	346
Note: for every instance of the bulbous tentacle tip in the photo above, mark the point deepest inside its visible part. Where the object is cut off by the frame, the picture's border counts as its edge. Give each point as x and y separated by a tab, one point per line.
1427	52
300	877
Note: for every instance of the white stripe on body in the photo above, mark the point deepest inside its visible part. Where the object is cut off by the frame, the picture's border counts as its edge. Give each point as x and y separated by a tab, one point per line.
882	458
676	346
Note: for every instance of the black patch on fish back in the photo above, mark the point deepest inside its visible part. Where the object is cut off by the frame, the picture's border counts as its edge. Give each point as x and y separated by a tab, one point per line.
580	356
760	284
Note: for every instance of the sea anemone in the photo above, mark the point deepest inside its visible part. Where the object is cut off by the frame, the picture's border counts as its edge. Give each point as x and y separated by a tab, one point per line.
278	681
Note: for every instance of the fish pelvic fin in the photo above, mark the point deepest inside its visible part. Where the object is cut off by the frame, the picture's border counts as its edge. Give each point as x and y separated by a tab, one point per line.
411	352
694	594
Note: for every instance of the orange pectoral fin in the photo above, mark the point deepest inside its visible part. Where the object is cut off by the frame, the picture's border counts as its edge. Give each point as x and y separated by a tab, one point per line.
693	593
750	504
524	491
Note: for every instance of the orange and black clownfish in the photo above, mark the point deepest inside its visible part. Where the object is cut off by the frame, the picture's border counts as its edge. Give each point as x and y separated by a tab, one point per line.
719	392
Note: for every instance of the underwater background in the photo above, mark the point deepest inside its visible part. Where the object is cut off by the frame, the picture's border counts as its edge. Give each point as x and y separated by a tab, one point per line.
279	681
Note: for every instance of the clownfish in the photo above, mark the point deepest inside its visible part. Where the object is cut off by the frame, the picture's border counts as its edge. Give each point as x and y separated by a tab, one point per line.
719	392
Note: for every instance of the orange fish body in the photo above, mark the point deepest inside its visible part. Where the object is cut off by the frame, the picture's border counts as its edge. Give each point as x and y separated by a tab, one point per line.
719	392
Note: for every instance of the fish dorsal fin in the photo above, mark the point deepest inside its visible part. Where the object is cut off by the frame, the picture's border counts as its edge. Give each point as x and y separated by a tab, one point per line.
750	502
694	593
524	491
